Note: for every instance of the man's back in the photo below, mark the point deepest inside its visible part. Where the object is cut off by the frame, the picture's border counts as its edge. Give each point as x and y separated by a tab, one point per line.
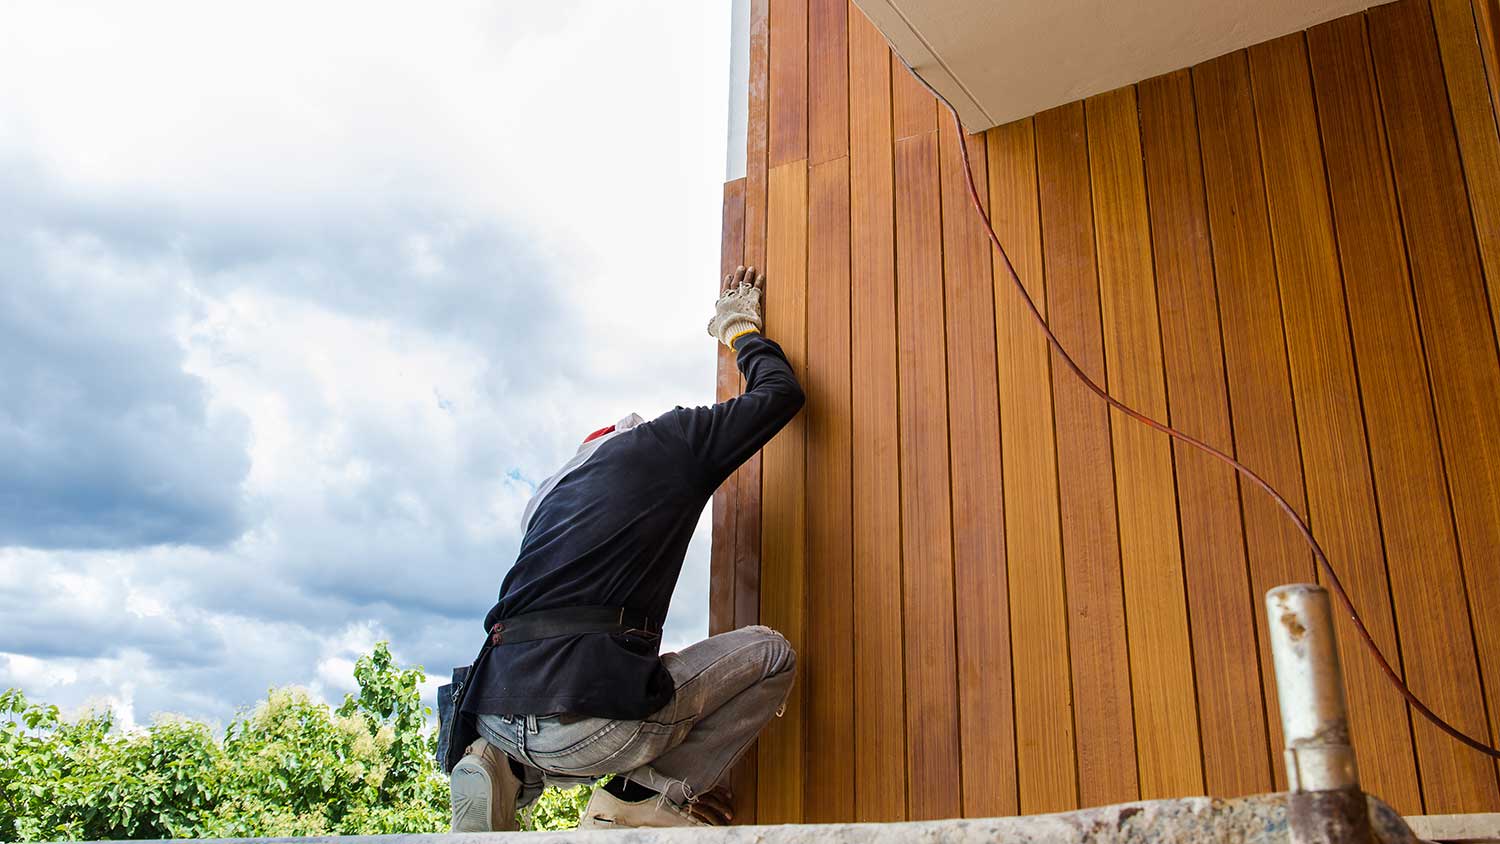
613	532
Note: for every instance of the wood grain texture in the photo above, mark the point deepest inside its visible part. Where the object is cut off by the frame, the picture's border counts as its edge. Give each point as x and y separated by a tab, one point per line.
916	110
727	386
932	763
1487	22
828	82
1405	456
1474	121
880	726
757	134
1255	360
788	78
1007	599
986	708
1045	761
784	513
828	663
1103	715
1329	416
747	478
1166	721
1448	281
1221	607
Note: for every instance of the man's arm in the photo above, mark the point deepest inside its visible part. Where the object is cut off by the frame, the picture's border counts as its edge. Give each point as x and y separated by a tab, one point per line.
723	436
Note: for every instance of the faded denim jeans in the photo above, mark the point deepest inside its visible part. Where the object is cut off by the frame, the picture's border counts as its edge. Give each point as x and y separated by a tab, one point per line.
729	687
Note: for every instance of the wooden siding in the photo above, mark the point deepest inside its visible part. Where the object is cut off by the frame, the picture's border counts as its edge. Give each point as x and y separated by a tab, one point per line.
1008	599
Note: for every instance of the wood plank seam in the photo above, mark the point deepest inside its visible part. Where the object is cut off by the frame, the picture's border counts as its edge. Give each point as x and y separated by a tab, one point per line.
1432	316
880	791
1432	394
1478	145
1182	555
1286	342
1221	610
1238	429
1239	491
1342	510
1400	661
1135	727
1041	239
1411	716
1380	515
900	475
1147	499
958	712
1479	148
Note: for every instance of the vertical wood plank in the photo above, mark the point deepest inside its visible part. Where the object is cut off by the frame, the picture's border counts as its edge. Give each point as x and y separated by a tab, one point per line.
1474	120
932	765
748	477
1085	468
1330	420
784	513
828	664
828	83
916	110
1045	761
788	75
1222	610
1416	520
756	132
1156	611
727	385
879	724
1487	21
1449	286
986	711
1475	123
1255	358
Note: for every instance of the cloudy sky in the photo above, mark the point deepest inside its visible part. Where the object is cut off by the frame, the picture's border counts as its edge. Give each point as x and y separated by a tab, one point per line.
298	301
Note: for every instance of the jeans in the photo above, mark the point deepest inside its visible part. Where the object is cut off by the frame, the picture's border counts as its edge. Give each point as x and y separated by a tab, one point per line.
728	687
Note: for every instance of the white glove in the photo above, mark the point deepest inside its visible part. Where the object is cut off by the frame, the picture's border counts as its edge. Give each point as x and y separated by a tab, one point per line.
738	310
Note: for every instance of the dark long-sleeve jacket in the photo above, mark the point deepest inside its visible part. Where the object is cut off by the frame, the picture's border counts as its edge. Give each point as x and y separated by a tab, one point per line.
613	532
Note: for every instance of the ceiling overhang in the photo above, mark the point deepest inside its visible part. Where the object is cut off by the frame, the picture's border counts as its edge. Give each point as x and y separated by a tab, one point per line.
1001	61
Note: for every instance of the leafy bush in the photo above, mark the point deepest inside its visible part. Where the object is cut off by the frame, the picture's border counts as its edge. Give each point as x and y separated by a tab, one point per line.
290	766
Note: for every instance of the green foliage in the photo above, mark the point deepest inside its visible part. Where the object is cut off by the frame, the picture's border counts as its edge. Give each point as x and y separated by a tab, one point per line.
557	809
288	767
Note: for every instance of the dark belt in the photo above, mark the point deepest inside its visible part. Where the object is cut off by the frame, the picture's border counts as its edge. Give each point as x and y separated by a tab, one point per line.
569	621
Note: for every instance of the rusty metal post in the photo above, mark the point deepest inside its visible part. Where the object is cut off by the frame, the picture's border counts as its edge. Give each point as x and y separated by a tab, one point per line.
1326	804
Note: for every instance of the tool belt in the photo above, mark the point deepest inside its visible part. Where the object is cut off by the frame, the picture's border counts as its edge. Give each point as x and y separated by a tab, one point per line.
457	729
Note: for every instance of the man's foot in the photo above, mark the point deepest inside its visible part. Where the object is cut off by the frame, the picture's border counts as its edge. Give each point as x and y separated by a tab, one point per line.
606	811
484	790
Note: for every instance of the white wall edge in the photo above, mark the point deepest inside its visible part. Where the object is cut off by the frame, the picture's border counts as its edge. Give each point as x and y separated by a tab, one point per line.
739	90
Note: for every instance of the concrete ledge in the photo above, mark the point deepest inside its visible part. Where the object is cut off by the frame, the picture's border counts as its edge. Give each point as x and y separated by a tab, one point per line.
1249	820
1478	827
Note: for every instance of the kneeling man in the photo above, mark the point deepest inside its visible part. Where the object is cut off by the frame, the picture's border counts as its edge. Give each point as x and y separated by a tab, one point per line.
571	685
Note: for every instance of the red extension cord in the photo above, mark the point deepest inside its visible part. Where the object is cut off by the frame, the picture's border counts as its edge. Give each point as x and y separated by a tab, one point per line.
1322	558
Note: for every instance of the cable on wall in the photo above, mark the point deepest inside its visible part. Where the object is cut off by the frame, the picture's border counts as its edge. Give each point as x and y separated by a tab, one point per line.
1245	471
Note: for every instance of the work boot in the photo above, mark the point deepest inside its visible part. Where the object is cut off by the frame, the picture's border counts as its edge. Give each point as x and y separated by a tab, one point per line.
484	790
606	811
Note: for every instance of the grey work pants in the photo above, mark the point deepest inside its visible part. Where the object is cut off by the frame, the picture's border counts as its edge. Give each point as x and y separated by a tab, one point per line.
729	687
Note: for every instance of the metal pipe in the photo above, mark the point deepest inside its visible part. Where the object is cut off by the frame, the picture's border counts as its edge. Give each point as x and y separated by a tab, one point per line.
1326	804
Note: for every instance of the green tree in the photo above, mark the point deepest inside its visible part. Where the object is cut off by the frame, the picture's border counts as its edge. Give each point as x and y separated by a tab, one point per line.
289	766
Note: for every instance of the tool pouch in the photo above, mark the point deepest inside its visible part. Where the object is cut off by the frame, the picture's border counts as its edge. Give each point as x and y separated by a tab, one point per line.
457	729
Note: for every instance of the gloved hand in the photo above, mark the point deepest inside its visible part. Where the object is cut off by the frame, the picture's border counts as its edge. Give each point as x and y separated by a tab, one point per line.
738	310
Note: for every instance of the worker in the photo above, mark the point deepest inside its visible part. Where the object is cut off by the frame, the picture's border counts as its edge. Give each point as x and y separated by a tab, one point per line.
570	685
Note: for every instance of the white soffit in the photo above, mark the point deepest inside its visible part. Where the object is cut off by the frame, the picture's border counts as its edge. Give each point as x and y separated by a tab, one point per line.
1001	60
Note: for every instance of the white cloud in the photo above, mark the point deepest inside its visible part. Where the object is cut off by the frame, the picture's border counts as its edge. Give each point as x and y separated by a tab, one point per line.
379	268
